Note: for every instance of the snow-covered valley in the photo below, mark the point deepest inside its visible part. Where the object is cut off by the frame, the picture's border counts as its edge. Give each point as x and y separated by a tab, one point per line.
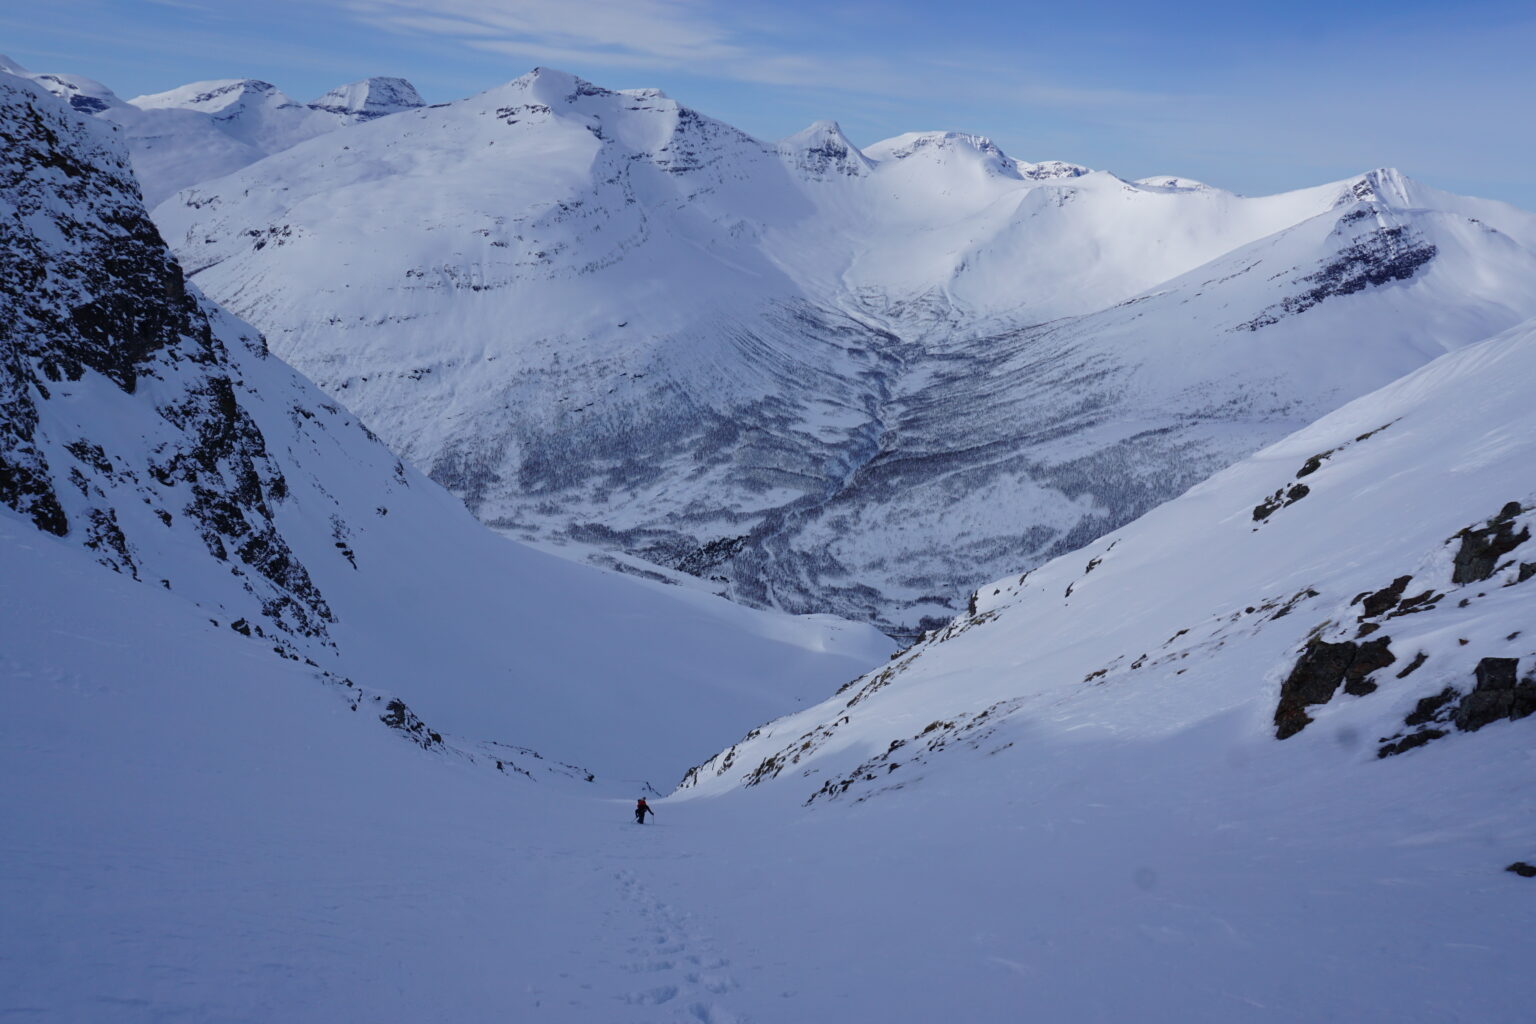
289	735
234	845
823	379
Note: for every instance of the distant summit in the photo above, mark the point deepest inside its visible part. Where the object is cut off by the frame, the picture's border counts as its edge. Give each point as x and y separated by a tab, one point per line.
818	376
206	129
371	98
214	97
823	150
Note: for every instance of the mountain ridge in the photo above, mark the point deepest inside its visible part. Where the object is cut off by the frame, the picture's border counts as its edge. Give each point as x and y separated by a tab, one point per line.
147	428
820	378
205	129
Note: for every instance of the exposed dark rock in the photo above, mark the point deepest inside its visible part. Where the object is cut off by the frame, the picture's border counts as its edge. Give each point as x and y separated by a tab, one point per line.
1372	605
1496	673
1418	659
398	716
1370	657
1523	869
1411	741
1496	696
1318	674
1427	708
1280	499
1421	602
104	536
1381	256
1482	548
88	286
1290	605
1315	463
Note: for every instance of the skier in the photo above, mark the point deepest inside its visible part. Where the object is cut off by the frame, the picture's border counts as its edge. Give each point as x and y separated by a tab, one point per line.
641	810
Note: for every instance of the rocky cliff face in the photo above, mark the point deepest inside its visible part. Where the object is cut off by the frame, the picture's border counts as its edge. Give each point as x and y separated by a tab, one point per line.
94	302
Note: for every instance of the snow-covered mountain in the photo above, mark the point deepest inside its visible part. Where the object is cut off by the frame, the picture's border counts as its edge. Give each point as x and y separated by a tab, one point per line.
146	426
1071	804
371	98
1358	590
1264	753
825	379
207	129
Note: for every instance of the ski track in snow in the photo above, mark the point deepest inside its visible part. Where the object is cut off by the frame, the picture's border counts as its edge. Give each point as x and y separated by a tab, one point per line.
685	976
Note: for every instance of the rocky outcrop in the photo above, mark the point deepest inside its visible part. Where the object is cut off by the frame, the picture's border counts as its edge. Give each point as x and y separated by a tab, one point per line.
90	297
1480	550
398	716
1320	671
1323	666
1496	696
1281	498
1379	257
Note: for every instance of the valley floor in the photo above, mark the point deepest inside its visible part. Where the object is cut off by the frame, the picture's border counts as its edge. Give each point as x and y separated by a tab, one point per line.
470	905
319	868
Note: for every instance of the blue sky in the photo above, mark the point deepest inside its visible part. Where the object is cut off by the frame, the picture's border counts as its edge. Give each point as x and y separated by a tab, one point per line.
1255	97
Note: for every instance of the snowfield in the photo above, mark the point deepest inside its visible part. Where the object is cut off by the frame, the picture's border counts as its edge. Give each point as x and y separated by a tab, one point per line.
289	736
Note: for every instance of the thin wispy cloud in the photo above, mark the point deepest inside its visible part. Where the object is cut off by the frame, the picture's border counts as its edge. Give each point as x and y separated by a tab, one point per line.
1253	98
704	39
657	33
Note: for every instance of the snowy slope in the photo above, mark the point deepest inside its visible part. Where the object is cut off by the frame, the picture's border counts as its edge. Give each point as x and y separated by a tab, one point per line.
1365	582
208	129
824	379
1250	757
145	425
198	829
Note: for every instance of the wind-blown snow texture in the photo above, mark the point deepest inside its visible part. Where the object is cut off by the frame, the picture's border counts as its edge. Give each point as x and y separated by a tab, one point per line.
144	424
824	379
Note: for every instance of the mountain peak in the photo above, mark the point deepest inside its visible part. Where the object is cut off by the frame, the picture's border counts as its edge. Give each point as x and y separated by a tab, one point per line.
942	144
370	98
822	151
1384	184
1174	183
552	86
214	96
1050	169
85	95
